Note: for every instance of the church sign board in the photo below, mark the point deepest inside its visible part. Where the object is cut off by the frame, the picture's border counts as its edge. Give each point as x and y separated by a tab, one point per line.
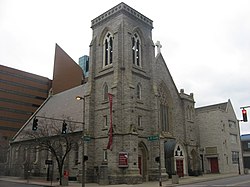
123	159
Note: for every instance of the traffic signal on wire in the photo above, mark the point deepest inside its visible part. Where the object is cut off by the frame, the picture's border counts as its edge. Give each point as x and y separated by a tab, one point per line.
64	127
35	124
244	114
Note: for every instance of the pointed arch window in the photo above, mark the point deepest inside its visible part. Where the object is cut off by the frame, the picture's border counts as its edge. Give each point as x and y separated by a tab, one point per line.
138	91
108	49
136	50
36	154
164	118
188	113
24	152
105	92
76	154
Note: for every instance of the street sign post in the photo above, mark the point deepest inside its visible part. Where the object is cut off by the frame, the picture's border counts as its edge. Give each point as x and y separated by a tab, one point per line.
153	138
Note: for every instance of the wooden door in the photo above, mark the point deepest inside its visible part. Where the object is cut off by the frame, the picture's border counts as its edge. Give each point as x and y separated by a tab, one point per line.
214	165
179	168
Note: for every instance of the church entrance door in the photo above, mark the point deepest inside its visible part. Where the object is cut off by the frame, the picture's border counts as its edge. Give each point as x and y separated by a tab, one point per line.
179	168
142	161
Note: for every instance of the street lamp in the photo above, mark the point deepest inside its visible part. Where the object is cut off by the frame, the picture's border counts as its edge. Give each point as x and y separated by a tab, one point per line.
159	141
83	132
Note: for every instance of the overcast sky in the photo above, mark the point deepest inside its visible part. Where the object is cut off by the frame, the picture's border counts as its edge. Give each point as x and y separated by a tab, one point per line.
205	43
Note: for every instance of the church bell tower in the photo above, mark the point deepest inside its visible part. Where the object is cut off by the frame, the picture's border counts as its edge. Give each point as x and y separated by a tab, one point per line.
121	57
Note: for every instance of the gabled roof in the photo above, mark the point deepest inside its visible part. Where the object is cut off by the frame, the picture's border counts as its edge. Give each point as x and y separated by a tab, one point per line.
60	106
160	62
220	106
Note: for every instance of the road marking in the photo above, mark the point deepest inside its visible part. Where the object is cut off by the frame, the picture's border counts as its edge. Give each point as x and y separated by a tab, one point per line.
239	183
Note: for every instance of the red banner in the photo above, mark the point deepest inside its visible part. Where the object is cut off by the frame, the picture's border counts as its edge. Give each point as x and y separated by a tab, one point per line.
111	123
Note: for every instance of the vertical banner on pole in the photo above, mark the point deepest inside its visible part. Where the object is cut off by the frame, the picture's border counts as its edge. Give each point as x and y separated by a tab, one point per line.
110	96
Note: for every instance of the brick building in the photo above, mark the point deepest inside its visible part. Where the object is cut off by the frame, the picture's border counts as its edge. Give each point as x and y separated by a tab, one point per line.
21	94
149	117
67	73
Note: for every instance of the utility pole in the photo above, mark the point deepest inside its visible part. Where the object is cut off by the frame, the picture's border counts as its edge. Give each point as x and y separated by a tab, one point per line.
160	180
159	139
83	133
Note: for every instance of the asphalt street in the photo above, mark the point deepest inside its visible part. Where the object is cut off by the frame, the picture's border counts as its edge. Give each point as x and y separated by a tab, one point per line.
239	181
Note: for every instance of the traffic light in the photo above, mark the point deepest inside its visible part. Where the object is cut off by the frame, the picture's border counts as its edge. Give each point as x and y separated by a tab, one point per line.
35	124
157	159
244	114
64	127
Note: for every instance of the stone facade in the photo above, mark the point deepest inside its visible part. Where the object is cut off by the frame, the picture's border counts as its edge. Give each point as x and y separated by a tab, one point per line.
150	118
219	139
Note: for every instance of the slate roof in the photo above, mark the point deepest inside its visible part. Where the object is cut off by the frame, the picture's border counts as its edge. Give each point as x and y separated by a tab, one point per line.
60	106
220	106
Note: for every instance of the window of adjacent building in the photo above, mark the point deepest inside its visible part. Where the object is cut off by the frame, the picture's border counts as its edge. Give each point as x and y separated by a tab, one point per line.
248	145
87	65
138	91
235	157
164	118
108	49
105	92
233	138
136	50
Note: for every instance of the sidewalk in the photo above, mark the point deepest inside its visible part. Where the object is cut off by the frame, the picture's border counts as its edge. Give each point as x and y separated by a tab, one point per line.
184	180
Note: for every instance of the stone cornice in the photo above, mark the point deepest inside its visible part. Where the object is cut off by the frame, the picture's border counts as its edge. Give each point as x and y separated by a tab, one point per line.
120	8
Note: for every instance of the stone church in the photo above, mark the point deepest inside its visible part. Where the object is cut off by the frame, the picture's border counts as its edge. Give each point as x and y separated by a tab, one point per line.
136	119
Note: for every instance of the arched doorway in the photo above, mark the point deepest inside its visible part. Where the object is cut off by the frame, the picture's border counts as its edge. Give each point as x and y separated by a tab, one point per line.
179	155
169	146
143	161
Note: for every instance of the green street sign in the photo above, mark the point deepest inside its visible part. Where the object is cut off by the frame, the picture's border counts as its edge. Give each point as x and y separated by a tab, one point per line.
86	138
153	138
